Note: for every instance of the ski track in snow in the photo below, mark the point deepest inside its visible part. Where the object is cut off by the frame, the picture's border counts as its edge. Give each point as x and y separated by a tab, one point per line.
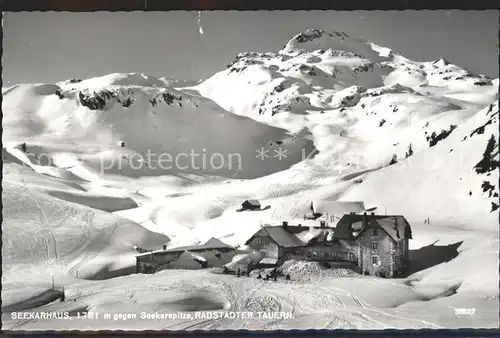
94	252
361	304
54	257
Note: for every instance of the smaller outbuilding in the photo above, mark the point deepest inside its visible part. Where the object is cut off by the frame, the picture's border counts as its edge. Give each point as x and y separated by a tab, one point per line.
214	253
251	205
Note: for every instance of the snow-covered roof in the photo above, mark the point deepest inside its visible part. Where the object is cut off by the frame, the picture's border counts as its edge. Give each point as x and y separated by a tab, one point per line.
155	252
322	235
268	260
212	244
200	258
337	208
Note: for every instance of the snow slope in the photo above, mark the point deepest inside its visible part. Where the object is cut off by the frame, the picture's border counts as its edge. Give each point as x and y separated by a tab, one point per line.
96	122
44	238
352	121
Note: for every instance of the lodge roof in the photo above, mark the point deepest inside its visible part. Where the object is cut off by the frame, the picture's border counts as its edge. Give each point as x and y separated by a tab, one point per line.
396	226
291	236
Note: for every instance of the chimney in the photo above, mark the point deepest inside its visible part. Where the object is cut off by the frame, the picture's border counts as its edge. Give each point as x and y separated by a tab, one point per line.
164	247
300	225
322	224
285	223
396	228
373	213
353	213
365	220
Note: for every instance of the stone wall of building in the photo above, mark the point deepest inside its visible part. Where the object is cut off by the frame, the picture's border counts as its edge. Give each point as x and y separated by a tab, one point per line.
384	253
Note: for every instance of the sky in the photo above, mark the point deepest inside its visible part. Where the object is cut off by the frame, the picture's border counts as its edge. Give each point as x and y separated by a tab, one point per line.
44	47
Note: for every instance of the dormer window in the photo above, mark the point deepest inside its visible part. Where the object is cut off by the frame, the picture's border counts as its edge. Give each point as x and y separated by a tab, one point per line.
374	246
357	226
375	231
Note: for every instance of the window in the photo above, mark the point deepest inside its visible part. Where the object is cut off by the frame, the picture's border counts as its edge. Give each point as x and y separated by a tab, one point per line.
309	253
350	256
374	260
374	246
261	240
375	232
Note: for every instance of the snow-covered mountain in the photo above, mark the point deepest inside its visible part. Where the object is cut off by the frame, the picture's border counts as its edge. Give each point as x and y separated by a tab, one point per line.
328	116
111	123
